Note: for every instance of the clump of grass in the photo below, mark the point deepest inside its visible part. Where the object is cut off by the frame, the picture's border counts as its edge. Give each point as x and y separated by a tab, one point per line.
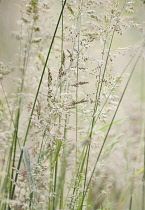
62	121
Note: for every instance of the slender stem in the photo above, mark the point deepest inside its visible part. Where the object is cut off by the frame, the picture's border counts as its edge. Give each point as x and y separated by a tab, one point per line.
59	144
77	79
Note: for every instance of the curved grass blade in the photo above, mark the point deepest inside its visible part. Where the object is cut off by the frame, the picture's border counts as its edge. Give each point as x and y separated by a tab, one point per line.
106	126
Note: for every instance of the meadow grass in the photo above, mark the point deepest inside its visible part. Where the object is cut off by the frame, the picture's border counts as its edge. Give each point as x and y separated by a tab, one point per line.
63	137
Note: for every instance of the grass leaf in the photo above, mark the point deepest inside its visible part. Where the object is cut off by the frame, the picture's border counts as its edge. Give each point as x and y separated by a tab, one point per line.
28	168
106	126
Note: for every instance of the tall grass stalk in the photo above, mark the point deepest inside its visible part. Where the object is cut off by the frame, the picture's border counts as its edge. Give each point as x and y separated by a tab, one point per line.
43	71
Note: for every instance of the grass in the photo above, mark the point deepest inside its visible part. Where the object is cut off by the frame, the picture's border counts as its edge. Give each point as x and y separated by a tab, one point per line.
62	156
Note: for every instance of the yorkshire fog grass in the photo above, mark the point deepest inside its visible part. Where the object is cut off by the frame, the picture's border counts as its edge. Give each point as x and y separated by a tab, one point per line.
72	125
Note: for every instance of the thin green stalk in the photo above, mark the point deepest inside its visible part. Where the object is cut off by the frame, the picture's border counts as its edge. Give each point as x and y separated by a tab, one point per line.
78	178
62	45
86	171
55	182
55	172
130	203
59	144
61	181
51	180
63	168
77	79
